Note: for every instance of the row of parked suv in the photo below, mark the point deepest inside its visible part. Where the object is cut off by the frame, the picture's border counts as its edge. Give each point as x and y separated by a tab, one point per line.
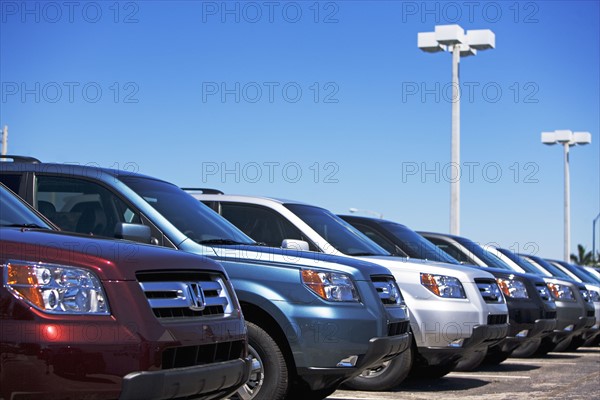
268	299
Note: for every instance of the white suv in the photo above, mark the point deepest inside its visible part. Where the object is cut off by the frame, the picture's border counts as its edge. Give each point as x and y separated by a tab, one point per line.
456	312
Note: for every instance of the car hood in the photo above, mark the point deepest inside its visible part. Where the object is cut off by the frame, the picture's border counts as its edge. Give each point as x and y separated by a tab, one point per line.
464	273
288	258
110	259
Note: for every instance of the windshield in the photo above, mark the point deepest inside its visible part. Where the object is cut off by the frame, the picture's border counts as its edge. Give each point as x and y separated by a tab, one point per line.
16	214
489	259
416	246
337	232
581	273
189	215
521	262
552	270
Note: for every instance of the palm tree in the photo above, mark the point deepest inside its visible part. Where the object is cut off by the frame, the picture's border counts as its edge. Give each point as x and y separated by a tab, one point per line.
582	257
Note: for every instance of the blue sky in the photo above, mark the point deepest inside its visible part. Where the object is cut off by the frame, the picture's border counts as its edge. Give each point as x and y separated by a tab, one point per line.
331	103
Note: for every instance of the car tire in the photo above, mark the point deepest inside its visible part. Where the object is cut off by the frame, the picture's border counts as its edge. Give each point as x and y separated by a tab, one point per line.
471	361
527	349
386	376
563	345
269	377
496	357
576	343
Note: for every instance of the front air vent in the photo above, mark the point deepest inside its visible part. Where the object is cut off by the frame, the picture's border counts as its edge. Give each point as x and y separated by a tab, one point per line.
550	315
188	356
398	328
497	319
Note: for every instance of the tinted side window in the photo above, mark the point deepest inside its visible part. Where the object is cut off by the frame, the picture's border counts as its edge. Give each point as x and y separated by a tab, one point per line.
262	224
451	249
77	205
379	239
12	181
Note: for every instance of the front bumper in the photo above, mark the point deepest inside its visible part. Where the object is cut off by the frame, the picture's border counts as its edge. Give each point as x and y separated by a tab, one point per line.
483	336
212	380
380	349
540	329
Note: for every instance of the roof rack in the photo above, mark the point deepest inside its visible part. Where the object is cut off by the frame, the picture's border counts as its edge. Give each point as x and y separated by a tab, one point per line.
21	159
203	190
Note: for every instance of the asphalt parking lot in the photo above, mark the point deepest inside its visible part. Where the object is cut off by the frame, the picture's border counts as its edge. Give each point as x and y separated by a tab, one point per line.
562	375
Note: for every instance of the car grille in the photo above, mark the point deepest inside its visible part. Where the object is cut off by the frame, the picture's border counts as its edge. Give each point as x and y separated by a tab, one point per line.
586	295
489	290
542	290
398	328
388	290
185	294
187	356
497	319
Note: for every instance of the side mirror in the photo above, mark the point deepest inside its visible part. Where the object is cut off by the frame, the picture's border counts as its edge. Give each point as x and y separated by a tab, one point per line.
135	232
294	244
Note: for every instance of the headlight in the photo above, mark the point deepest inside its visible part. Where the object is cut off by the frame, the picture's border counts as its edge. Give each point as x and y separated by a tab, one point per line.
512	288
443	286
331	286
56	289
560	292
595	296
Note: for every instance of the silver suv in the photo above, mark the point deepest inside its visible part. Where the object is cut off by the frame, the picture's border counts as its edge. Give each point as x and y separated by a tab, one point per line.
456	312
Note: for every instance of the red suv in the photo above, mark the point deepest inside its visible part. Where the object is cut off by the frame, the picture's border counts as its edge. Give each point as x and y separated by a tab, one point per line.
97	318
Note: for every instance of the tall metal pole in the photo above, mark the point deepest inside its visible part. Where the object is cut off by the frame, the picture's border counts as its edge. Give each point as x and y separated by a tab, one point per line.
594	237
567	204
5	140
455	144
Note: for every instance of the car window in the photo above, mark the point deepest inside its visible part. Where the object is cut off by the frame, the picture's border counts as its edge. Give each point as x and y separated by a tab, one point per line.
262	224
82	206
341	235
188	214
452	250
379	239
12	181
14	213
417	246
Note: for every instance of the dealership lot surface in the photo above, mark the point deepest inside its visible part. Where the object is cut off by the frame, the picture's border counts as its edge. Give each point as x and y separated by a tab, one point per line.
573	375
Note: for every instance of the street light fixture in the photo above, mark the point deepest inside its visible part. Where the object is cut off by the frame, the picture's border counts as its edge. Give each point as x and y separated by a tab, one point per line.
357	210
567	139
452	38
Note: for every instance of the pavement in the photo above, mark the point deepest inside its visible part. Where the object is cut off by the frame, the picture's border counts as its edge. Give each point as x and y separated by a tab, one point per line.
574	375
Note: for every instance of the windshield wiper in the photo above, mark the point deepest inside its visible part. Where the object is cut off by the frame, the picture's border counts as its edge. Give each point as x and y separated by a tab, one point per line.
358	254
24	225
221	241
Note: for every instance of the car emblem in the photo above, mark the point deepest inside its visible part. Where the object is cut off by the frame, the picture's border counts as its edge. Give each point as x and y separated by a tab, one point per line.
196	300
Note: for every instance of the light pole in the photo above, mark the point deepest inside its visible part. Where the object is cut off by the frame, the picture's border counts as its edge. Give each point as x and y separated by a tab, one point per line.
594	237
375	213
452	38
567	139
